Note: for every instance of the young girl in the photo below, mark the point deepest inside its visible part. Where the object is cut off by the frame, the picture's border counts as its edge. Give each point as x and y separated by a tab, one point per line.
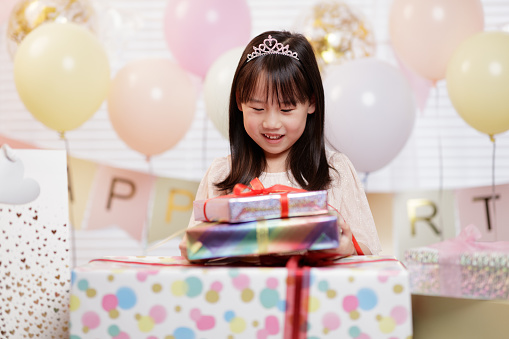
276	130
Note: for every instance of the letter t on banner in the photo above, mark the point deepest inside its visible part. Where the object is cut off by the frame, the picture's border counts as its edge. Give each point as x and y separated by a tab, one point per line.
475	206
120	198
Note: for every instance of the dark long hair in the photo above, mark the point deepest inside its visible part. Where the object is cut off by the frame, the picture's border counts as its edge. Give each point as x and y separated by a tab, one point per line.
290	81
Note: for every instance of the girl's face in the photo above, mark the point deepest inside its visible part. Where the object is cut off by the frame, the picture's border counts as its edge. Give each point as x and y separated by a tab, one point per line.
274	126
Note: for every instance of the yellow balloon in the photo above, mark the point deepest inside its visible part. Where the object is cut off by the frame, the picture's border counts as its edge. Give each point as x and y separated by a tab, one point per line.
478	81
62	74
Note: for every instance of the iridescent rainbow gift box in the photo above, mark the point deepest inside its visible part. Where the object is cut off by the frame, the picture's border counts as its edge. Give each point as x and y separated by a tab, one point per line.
461	268
274	236
235	209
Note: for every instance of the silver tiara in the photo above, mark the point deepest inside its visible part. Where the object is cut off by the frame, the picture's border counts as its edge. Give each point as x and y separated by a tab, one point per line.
271	46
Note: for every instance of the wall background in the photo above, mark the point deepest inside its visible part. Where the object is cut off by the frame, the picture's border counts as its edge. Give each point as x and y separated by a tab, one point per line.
443	152
134	30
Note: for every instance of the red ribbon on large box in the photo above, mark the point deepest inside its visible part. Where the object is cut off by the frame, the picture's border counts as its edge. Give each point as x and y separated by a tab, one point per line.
297	286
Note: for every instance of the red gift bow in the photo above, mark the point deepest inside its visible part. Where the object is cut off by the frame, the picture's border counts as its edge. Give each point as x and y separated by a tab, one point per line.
257	188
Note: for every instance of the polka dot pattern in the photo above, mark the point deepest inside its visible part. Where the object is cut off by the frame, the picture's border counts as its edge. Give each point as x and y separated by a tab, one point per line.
373	300
123	301
131	301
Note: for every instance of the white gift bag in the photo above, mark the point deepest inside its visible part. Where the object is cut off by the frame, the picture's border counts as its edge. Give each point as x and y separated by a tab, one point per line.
34	244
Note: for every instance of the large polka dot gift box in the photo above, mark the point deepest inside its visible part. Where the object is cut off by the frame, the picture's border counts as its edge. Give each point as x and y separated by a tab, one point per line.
166	298
360	297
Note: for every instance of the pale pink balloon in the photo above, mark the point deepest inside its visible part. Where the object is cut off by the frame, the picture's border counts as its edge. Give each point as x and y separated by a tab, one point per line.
151	105
198	31
425	33
6	7
370	111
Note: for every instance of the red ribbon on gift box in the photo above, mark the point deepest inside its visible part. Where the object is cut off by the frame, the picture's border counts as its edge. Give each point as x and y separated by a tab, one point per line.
257	188
297	286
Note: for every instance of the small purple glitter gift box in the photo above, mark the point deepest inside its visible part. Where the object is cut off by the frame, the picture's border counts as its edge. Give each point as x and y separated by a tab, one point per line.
270	203
461	267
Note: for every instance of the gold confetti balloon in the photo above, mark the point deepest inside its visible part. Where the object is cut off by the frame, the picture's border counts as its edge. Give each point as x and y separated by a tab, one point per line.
337	33
27	15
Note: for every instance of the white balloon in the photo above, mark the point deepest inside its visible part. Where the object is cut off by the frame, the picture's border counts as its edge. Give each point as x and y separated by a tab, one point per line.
217	87
370	111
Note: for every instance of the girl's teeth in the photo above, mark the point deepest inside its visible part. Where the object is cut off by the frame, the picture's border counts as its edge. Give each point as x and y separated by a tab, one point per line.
273	137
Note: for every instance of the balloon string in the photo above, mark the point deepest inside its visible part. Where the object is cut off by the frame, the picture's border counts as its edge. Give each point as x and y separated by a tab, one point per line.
145	231
71	204
365	181
440	162
493	194
204	144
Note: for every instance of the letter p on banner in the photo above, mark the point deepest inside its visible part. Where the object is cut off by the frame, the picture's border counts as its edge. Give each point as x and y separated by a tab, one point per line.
120	198
172	207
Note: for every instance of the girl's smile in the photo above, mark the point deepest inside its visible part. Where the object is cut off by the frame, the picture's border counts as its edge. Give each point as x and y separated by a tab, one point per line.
273	138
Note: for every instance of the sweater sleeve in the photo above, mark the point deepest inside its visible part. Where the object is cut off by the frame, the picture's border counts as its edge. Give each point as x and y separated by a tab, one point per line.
347	195
217	171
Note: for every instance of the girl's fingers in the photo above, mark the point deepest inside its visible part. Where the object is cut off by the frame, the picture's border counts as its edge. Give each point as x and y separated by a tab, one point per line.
345	228
346	246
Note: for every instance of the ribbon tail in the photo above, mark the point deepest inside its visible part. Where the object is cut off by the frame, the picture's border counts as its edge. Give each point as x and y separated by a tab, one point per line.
162	242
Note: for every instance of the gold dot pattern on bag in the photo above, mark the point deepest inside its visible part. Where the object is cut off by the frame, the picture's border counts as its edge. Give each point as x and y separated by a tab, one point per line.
34	290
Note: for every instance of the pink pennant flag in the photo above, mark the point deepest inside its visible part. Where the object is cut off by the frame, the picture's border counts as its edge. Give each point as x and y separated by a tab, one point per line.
420	86
13	143
485	209
120	198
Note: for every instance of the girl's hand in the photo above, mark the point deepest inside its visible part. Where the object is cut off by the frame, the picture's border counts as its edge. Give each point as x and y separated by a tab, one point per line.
346	246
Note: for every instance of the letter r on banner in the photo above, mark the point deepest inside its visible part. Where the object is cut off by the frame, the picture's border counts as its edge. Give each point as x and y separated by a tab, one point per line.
413	205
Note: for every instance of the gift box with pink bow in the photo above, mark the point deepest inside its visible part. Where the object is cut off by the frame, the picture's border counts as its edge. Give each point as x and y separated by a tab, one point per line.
462	267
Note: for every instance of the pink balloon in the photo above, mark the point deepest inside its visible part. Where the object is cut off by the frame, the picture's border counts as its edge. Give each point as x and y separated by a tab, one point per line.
151	105
425	33
420	86
199	31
